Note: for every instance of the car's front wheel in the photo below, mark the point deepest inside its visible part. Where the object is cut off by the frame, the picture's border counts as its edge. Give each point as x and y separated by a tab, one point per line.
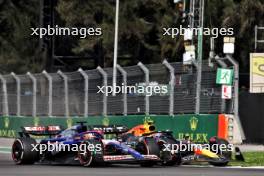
225	155
88	157
85	156
148	147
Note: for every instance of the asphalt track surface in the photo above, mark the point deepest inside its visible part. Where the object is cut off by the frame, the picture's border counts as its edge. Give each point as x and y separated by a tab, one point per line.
8	168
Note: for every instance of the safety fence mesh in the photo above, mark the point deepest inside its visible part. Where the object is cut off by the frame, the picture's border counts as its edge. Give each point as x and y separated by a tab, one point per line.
20	92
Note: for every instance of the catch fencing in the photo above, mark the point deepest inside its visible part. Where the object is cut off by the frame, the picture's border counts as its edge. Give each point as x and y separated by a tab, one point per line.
75	93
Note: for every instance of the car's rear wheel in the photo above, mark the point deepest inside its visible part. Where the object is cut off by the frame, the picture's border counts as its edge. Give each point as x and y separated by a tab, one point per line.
23	151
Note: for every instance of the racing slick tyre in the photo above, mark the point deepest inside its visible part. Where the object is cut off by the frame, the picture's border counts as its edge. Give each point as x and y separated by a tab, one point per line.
224	155
89	157
148	147
169	158
23	151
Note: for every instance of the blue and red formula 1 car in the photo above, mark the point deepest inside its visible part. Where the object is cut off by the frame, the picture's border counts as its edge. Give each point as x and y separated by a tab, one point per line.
140	145
67	147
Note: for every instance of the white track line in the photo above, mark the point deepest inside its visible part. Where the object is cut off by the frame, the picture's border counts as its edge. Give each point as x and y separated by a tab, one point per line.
5	150
226	167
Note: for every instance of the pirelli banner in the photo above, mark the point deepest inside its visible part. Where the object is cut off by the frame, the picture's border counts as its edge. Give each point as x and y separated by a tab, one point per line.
198	127
257	73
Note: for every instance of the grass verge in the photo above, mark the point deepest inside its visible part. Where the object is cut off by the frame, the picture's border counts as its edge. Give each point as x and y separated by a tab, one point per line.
251	159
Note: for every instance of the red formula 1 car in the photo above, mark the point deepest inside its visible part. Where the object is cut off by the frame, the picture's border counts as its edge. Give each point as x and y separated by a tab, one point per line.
217	152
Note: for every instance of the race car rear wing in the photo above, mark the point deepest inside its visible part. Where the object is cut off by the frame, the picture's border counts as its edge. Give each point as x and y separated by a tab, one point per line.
112	129
40	131
168	132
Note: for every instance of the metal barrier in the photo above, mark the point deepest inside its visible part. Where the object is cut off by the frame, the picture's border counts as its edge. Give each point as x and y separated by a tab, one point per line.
76	93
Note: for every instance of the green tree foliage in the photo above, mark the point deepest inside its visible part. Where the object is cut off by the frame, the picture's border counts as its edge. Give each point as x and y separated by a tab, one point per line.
18	49
141	26
243	16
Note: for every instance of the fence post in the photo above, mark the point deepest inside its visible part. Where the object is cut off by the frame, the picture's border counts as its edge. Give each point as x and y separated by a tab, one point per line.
34	103
146	72
18	82
6	111
172	84
236	96
50	92
86	88
104	74
124	74
256	38
66	93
